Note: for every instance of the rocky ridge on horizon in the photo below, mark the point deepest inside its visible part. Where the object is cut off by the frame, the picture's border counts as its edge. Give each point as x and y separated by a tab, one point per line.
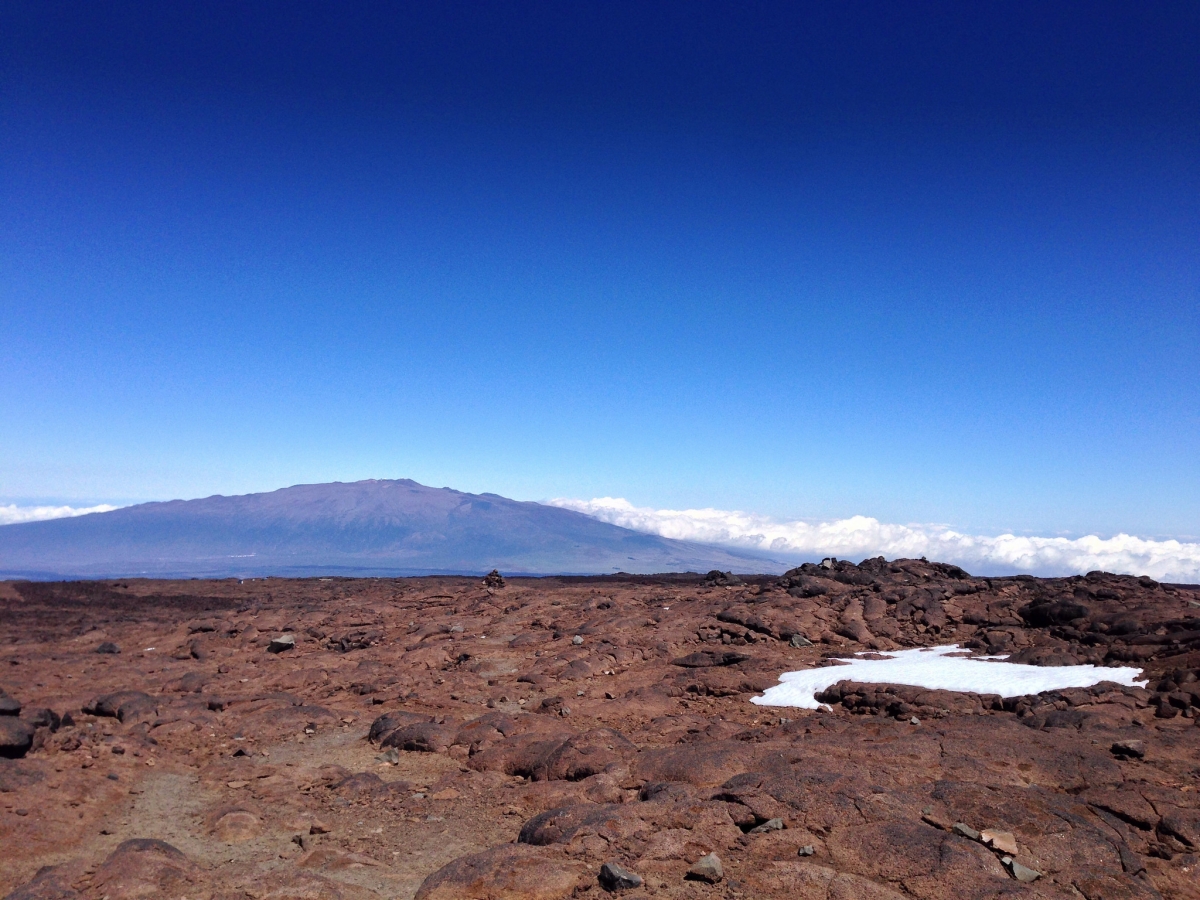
573	737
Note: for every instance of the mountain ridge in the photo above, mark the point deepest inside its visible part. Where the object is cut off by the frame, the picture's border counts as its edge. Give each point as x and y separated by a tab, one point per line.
374	526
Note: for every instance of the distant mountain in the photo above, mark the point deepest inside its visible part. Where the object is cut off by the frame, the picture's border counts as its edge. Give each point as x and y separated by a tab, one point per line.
364	528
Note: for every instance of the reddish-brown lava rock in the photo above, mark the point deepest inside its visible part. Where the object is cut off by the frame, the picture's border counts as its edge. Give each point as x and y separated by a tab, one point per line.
583	755
50	883
435	735
507	872
145	867
423	737
127	706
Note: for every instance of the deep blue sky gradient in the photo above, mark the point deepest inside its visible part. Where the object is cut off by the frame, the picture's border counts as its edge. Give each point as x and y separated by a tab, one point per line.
932	262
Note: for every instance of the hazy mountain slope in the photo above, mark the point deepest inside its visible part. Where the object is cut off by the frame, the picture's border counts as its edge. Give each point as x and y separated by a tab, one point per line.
383	527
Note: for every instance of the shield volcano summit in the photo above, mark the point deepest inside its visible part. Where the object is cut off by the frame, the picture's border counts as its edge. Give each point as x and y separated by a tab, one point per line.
373	527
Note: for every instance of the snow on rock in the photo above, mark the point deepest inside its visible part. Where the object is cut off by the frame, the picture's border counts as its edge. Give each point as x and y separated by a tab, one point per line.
940	668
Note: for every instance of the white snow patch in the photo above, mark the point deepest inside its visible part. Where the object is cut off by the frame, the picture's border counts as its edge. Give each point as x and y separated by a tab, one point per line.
14	515
937	669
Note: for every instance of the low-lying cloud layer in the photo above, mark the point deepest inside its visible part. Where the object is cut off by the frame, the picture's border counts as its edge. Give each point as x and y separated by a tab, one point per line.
861	536
11	514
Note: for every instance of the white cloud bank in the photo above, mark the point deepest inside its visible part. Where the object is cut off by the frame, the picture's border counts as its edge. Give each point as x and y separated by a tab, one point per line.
861	536
11	514
935	668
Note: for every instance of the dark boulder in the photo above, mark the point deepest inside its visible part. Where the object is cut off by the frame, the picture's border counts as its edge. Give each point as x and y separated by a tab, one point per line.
126	706
1129	749
16	737
389	722
717	578
1042	615
804	581
42	717
9	706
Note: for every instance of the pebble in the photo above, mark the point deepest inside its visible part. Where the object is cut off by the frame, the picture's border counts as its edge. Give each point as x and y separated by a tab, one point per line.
799	640
577	640
614	877
806	850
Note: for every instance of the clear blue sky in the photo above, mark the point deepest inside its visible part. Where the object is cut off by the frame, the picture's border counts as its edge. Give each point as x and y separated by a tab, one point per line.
932	262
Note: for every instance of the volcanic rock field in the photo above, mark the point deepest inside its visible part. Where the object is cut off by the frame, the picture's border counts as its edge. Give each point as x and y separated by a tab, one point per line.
501	739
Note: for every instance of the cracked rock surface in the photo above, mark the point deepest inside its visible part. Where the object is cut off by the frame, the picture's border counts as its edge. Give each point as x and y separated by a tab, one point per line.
450	738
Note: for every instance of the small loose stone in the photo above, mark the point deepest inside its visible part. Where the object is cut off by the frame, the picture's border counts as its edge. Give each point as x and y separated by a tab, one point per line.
964	830
769	825
614	877
707	868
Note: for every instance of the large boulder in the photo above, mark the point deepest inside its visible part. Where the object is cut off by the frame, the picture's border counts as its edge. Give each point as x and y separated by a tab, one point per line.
423	737
144	867
507	872
389	722
584	755
558	826
16	737
9	706
126	706
1041	615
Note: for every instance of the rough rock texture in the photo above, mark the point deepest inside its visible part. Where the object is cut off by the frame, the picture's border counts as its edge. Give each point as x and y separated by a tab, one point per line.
448	738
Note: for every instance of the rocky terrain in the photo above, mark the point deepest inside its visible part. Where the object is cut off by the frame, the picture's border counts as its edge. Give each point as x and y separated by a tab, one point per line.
543	738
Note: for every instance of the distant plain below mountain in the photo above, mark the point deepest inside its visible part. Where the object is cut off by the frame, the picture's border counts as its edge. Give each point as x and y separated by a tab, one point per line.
382	528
